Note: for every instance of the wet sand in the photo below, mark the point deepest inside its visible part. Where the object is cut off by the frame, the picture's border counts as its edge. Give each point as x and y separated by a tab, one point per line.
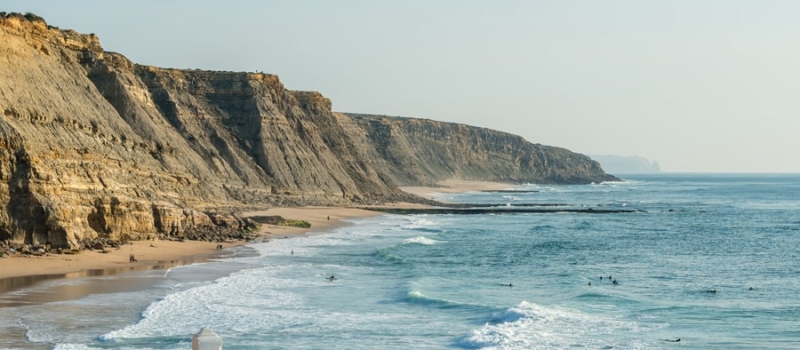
19	272
147	253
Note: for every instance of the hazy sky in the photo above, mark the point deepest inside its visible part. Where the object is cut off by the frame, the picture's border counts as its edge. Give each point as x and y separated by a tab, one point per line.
699	86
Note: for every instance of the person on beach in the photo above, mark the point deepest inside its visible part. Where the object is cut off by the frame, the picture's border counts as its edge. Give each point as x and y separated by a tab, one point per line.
132	258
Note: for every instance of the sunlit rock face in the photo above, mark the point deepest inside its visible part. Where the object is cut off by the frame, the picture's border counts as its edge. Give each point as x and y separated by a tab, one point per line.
421	151
93	145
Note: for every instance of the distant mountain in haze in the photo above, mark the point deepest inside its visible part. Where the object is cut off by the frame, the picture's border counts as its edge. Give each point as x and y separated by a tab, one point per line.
627	164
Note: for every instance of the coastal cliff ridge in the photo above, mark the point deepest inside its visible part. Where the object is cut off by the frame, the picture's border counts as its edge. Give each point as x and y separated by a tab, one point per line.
93	145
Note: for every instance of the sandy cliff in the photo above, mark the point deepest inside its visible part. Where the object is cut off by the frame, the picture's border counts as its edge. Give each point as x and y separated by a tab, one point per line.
93	145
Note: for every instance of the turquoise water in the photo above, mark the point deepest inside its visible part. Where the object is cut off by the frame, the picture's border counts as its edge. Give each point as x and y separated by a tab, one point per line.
684	265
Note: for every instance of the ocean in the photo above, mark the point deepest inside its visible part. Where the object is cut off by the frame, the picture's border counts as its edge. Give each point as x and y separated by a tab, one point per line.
712	260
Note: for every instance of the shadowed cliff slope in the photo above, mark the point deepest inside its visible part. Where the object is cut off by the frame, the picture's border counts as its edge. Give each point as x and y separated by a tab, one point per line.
421	151
93	145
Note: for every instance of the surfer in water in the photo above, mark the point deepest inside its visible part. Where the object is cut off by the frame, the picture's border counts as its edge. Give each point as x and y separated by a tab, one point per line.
331	278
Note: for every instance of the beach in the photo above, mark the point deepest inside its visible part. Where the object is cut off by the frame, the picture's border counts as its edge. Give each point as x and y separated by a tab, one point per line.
456	186
18	272
683	259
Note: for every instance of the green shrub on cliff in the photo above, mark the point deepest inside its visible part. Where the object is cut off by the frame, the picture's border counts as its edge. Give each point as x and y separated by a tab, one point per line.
28	16
296	223
33	17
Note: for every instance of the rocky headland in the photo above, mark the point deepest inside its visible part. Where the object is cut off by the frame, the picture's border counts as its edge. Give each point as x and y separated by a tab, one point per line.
94	146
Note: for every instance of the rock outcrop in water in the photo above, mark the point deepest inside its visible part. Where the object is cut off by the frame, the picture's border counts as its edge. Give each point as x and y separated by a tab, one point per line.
93	145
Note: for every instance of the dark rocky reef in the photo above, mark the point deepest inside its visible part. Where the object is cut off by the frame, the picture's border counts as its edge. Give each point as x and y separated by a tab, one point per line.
94	146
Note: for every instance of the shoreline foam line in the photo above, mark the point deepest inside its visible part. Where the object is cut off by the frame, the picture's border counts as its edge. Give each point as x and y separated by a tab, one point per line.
20	272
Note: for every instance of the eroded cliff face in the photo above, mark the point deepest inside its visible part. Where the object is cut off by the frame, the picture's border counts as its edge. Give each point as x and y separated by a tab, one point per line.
93	145
421	151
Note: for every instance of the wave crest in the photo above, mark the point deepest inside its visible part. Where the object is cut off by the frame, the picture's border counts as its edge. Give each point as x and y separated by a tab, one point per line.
532	326
421	240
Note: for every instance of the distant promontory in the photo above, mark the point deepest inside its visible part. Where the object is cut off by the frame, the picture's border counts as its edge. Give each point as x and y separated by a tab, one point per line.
627	164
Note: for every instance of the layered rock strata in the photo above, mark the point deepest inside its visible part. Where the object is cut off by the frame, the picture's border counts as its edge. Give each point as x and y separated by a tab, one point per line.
422	151
93	145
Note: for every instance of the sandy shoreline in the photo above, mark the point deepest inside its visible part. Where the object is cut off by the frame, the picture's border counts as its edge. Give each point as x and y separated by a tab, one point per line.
19	272
457	186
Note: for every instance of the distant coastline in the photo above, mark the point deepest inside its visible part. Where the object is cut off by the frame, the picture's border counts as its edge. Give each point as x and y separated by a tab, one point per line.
614	164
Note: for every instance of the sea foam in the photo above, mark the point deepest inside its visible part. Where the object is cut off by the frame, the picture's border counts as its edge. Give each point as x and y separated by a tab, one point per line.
421	240
532	326
418	222
211	305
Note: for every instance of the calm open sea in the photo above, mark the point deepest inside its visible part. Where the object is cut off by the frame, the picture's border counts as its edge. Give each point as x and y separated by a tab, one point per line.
684	268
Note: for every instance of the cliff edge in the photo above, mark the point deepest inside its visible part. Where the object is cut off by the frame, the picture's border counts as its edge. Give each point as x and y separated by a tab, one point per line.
94	145
423	152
